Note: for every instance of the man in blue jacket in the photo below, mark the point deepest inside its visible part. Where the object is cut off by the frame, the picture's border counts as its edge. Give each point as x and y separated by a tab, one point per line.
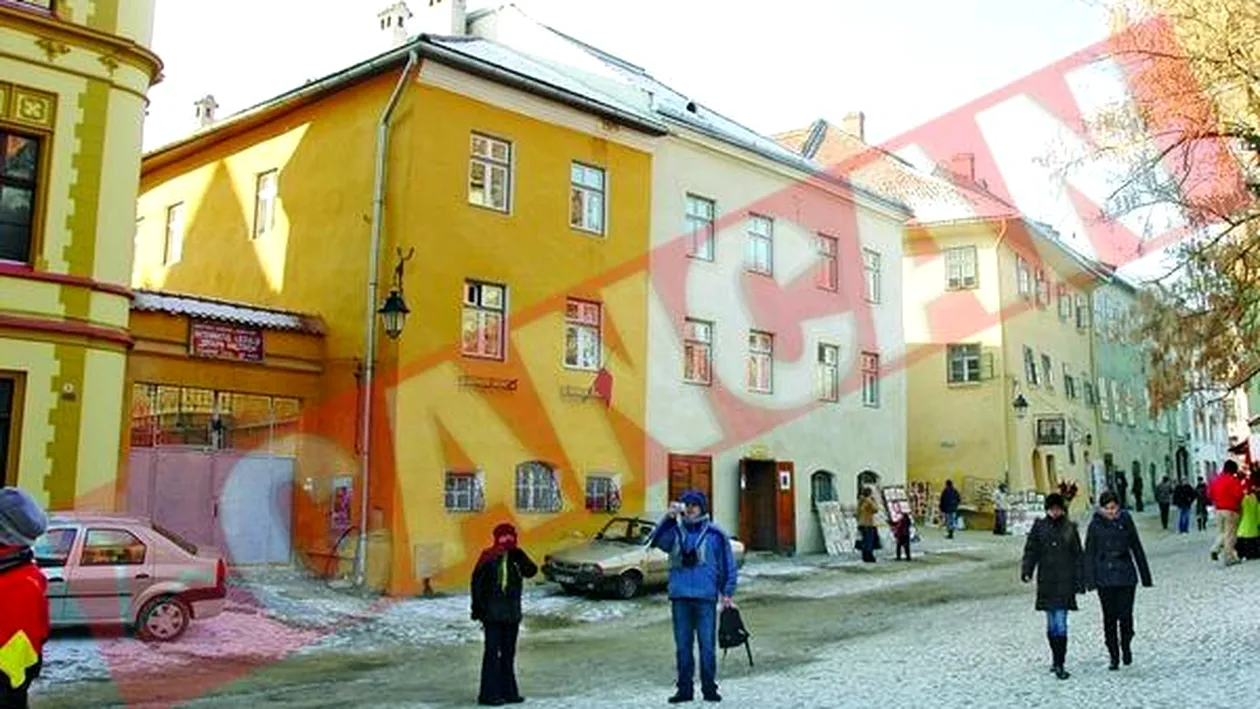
702	574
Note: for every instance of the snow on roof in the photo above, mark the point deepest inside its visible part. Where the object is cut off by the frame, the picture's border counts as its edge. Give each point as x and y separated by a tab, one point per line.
223	311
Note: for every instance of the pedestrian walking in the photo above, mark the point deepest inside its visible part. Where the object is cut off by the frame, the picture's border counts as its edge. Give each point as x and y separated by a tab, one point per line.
1183	499
1122	489
1227	492
1001	509
901	532
1249	521
1053	551
23	597
1163	498
702	575
1114	561
497	583
868	508
950	502
1138	504
1201	503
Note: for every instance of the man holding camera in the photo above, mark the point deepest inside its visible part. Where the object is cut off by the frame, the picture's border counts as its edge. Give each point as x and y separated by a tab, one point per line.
702	574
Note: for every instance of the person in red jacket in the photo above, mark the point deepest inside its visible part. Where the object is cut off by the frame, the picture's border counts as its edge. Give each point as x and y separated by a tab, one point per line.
23	597
1226	492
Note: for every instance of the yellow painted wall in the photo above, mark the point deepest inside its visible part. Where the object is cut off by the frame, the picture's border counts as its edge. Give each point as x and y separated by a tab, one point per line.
426	422
77	81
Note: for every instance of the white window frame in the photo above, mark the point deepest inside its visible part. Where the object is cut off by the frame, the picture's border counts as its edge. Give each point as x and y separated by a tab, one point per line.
491	165
584	327
872	266
1023	277
1069	383
607	482
1104	399
760	362
474	301
1043	289
962	268
173	242
1030	367
701	217
266	199
1047	371
828	372
870	380
538	488
697	337
463	495
759	232
828	249
969	355
587	183
1082	312
1065	303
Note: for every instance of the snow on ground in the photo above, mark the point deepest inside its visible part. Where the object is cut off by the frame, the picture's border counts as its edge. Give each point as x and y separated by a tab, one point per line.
993	653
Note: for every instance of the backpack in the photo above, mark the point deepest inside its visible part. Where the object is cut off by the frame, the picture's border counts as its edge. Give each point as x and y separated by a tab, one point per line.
732	633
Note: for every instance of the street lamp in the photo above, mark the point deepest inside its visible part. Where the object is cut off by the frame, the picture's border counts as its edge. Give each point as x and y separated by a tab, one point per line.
1021	406
394	310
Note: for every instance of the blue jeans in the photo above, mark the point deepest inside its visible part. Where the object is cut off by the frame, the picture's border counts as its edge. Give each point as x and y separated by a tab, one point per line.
1183	520
695	619
1056	623
951	522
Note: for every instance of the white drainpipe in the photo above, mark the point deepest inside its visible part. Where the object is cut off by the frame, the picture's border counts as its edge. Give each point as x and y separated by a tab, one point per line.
374	258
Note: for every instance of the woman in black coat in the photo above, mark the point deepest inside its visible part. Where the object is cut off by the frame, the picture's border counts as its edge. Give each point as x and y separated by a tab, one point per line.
497	583
1112	548
1053	551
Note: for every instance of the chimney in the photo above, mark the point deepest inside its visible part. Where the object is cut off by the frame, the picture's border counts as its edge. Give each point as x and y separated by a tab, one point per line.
854	123
964	165
393	21
443	17
205	107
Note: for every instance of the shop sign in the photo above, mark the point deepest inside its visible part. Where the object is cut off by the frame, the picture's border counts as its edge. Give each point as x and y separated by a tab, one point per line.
219	341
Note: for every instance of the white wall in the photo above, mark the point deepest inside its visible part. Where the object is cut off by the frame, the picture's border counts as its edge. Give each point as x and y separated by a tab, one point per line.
724	420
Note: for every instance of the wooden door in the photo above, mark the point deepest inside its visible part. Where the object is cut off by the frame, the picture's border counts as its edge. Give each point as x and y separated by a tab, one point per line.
759	505
785	513
690	472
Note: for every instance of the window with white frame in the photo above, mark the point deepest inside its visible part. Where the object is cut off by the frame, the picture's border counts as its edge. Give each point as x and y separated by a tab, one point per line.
1030	367
1043	289
1088	391
1023	277
600	493
870	263
697	351
1082	312
822	486
537	488
586	198
266	189
759	251
828	372
760	362
463	493
828	263
1047	371
1116	402
483	320
1069	383
1130	405
490	172
582	348
963	363
1065	303
700	214
961	268
870	379
1104	400
173	247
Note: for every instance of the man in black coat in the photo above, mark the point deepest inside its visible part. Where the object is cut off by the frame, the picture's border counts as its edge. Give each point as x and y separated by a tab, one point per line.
497	583
1112	550
950	502
1053	551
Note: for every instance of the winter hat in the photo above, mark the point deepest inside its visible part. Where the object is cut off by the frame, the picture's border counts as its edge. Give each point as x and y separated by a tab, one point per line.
1054	499
21	519
695	497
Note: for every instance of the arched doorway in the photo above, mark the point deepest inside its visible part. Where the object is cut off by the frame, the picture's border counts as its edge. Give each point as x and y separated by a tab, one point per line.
1052	473
1183	463
1039	473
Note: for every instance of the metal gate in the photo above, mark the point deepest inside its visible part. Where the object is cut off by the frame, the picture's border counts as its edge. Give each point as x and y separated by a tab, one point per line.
239	503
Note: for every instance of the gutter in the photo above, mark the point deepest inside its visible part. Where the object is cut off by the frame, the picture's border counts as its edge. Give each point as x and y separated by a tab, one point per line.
374	258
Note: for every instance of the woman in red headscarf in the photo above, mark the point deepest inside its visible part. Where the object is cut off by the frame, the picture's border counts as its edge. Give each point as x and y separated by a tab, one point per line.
496	602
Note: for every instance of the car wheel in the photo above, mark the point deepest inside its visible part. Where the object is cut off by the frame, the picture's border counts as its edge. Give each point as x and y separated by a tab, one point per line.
629	585
163	619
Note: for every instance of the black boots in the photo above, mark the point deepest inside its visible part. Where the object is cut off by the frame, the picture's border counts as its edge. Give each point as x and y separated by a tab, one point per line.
1058	651
1126	646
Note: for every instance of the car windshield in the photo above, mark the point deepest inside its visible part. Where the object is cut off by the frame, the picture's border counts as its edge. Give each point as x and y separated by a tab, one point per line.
176	539
628	531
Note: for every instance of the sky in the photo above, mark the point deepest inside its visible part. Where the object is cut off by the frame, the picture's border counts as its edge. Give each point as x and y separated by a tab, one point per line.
772	65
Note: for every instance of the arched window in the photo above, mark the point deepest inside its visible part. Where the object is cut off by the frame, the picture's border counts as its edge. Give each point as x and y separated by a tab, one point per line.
822	488
537	488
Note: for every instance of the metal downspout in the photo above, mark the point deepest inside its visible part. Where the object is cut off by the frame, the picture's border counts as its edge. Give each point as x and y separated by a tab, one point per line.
374	258
1006	376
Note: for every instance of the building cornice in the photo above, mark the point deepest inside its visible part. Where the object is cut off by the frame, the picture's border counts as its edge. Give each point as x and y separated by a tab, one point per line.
122	51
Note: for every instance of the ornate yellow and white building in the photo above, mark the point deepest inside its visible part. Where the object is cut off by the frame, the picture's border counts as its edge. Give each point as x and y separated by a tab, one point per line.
73	79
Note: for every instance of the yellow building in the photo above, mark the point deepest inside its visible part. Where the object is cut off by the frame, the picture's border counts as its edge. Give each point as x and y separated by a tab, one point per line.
73	79
526	198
